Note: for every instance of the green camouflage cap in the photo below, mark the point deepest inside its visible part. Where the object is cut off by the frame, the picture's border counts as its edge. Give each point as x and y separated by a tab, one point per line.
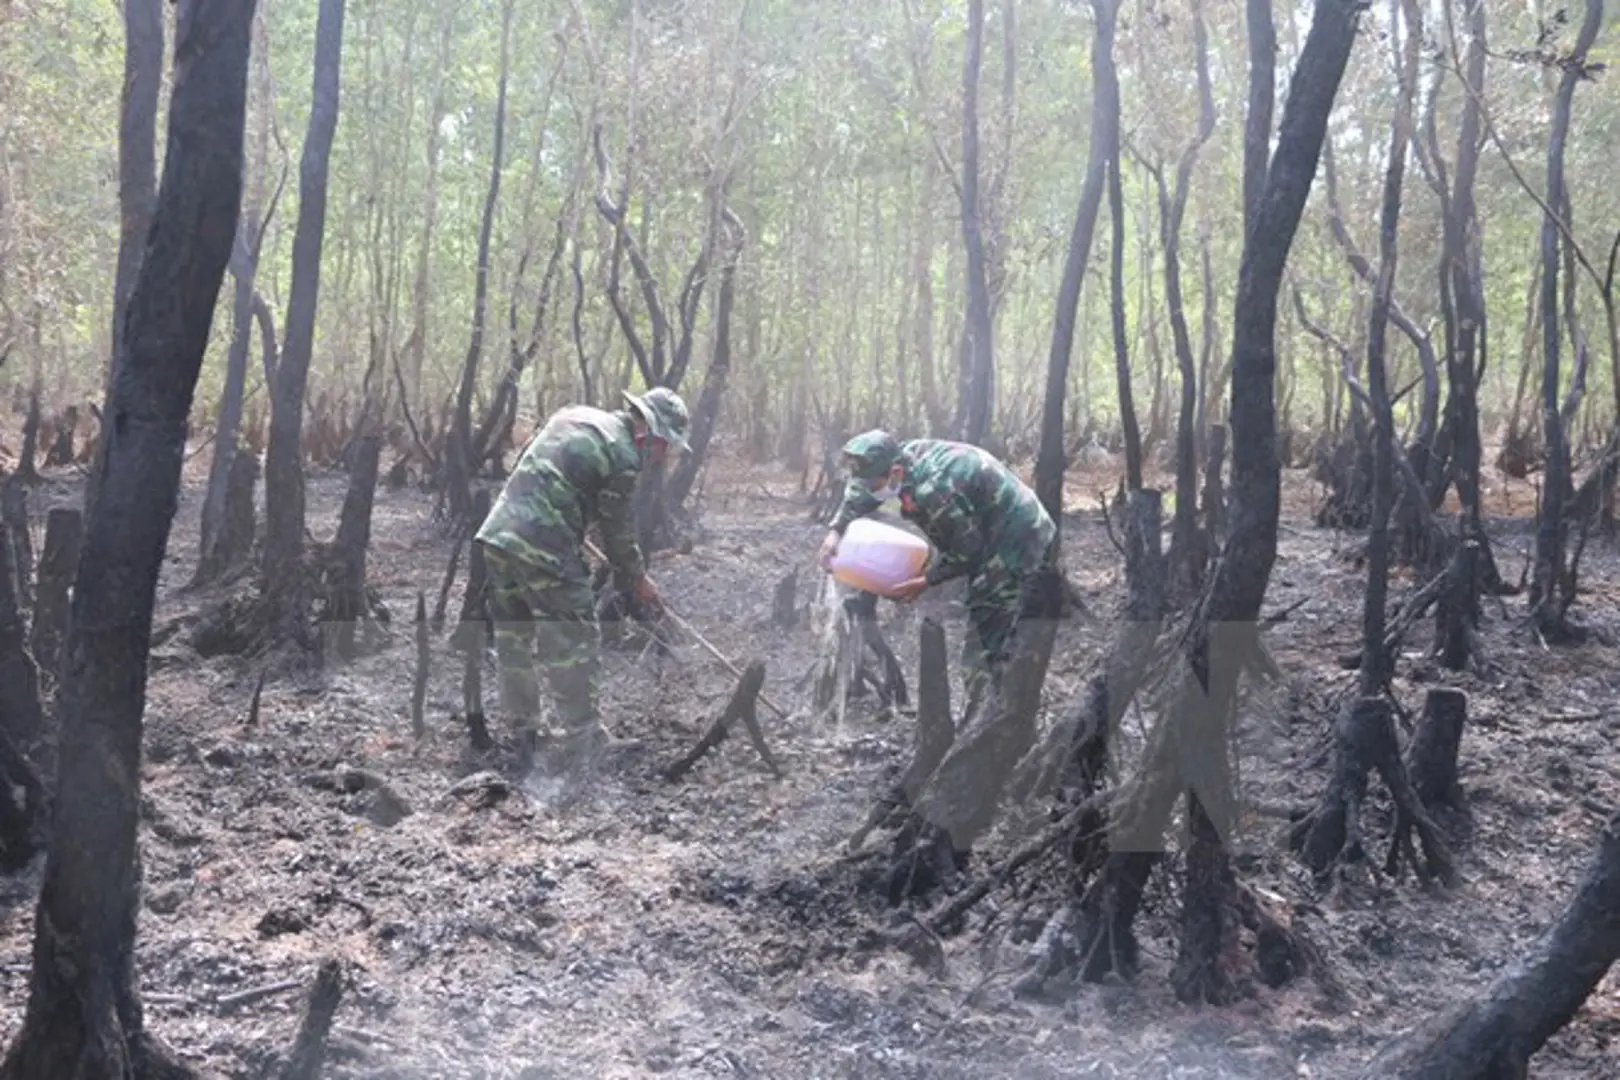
871	454
664	412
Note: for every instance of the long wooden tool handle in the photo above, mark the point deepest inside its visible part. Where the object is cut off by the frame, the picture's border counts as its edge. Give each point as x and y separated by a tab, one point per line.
675	616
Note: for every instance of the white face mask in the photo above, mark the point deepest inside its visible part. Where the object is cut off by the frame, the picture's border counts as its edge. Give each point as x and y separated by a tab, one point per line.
887	493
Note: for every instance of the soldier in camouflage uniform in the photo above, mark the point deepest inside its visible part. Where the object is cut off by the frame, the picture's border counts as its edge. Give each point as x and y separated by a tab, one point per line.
983	522
581	467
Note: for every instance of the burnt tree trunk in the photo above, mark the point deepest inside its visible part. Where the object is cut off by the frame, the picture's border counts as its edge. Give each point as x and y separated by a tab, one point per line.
1116	289
309	1047
458	448
26	472
84	1017
57	564
1189	551
286	586
1214	501
22	730
975	407
20	712
714	380
1493	1036
137	177
347	607
784	603
1551	591
1224	639
1052	460
233	543
1432	758
14	515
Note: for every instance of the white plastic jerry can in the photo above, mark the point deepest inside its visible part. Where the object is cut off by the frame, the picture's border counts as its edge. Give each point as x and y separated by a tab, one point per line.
877	557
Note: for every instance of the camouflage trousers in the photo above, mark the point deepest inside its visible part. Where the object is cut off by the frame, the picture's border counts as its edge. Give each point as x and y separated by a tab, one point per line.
534	611
1005	590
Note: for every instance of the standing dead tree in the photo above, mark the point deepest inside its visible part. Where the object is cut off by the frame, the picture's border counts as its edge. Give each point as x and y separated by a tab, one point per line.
84	1017
658	363
1187	752
1052	460
977	385
456	494
1552	587
137	175
1364	737
216	557
285	586
1189	547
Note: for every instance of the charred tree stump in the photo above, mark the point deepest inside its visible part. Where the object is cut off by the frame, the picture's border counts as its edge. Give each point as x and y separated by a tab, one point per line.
1493	1036
784	610
957	801
347	607
424	658
57	565
481	502
1364	741
309	1049
14	515
1458	610
1432	758
743	707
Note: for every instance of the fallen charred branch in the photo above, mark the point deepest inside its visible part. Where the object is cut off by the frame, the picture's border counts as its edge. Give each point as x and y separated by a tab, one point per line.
742	707
1496	1033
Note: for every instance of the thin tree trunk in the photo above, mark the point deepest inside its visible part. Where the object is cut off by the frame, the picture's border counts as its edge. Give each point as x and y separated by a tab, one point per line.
975	409
285	589
1224	641
1122	360
715	379
1188	555
137	176
459	466
84	1019
1052	460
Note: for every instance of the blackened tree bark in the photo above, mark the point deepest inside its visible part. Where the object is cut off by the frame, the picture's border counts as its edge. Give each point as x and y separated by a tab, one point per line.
714	380
1365	734
1495	1034
1116	303
64	530
974	408
1551	590
1225	636
1262	98
137	169
1052	459
22	728
1188	553
84	1018
250	233
286	589
458	449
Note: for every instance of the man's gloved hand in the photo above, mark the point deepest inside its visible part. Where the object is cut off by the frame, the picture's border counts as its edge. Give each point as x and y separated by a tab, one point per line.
829	548
646	594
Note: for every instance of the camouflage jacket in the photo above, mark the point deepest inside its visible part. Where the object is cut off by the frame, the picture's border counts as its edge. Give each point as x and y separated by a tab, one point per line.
581	467
971	507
